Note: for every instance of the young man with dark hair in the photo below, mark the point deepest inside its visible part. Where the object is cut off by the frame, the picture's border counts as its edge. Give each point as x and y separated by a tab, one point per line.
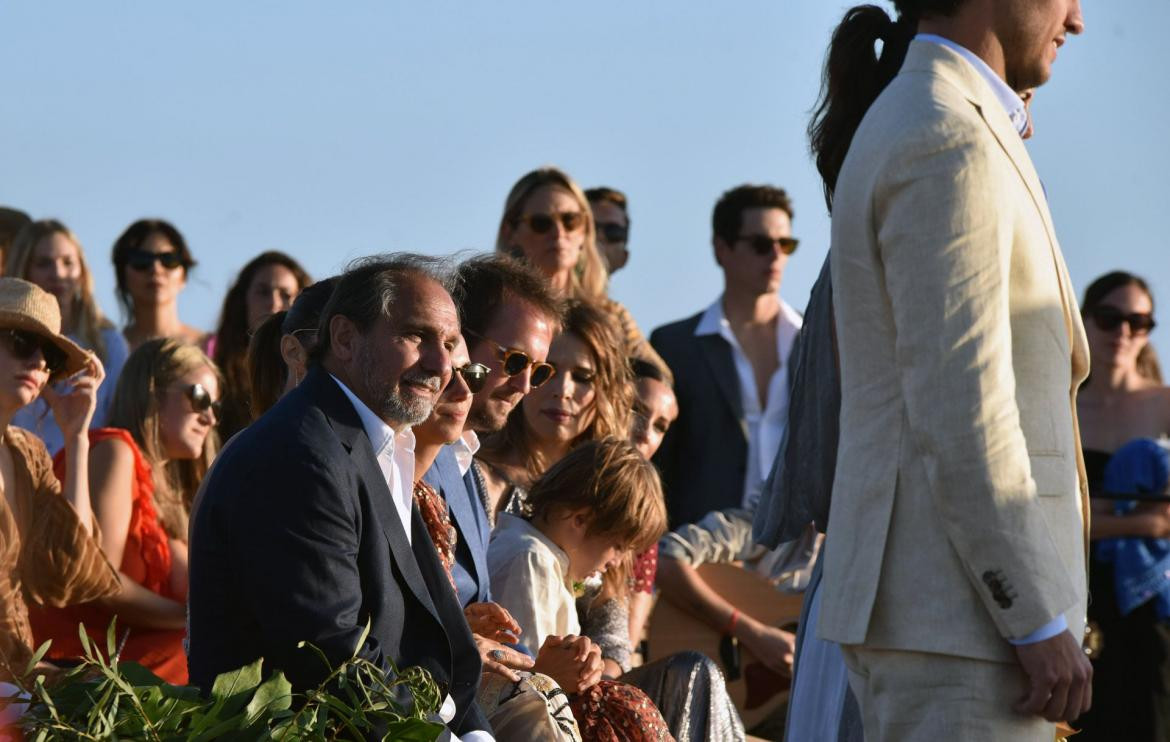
611	217
729	363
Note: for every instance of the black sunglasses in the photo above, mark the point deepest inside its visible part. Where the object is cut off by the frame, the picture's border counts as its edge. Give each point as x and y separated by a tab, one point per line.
515	361
1109	318
23	344
762	244
474	376
141	260
201	400
542	223
613	232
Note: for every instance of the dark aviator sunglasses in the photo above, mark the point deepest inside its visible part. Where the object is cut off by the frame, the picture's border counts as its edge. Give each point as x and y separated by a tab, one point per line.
612	232
544	223
23	345
762	244
201	400
474	376
515	361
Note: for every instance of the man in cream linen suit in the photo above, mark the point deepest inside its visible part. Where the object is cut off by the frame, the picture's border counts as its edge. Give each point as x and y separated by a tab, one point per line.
955	559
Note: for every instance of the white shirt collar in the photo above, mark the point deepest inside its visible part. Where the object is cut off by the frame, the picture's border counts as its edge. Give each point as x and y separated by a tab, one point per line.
714	321
394	453
1008	98
465	449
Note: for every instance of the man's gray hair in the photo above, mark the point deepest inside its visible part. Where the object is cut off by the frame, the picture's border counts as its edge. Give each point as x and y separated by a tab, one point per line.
370	286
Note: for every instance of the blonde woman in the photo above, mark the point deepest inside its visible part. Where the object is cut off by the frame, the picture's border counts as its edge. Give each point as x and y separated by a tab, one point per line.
547	222
143	473
48	254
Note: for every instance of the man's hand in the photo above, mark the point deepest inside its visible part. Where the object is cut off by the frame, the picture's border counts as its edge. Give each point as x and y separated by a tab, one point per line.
492	620
500	659
1060	686
772	646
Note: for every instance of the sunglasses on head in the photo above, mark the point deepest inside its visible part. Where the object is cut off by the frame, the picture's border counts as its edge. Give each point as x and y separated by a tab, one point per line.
201	400
613	232
1109	318
515	361
571	221
141	260
474	376
762	244
23	344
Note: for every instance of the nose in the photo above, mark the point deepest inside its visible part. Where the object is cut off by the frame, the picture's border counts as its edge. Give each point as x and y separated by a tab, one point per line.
437	360
1075	23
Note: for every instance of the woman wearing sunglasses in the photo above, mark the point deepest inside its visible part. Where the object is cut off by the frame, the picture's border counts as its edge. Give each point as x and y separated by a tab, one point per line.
143	473
267	284
548	223
48	254
151	261
1123	399
48	553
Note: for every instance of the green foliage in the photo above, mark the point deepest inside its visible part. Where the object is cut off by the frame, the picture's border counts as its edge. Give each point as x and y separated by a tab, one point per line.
106	699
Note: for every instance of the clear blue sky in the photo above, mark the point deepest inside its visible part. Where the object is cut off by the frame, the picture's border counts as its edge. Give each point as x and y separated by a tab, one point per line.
335	130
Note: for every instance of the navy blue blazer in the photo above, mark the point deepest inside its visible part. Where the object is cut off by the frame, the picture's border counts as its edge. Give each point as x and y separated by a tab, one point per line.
471	522
296	538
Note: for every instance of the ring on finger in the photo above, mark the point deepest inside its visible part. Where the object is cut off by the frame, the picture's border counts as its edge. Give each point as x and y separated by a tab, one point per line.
497	655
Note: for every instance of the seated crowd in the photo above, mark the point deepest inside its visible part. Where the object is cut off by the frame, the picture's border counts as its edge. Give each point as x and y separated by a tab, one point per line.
467	458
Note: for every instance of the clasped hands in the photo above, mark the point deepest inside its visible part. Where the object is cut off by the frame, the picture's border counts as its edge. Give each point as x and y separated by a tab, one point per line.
573	661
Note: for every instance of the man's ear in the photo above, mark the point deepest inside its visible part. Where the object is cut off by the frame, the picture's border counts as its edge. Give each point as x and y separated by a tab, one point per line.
344	338
291	351
721	249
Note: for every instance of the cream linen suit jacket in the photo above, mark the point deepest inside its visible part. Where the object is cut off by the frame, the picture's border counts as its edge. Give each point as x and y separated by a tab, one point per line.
959	509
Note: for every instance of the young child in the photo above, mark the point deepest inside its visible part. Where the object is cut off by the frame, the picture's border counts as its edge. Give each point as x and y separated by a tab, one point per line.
590	510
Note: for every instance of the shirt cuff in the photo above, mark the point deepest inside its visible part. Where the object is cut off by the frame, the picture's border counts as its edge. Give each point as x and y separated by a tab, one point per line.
478	735
1047	631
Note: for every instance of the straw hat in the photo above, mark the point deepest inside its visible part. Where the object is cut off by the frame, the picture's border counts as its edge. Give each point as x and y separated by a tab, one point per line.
26	306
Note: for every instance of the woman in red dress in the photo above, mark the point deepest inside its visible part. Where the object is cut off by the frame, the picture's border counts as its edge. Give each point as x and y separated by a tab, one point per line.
143	472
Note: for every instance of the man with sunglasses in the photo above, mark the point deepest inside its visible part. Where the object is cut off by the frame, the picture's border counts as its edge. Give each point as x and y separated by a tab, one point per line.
611	220
308	530
729	363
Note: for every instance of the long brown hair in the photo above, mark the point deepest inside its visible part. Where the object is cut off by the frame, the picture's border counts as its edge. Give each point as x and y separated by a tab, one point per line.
148	372
232	335
613	396
855	74
87	321
1147	360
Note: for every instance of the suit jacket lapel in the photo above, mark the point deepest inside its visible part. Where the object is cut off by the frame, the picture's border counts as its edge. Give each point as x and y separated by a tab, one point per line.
346	423
717	354
462	508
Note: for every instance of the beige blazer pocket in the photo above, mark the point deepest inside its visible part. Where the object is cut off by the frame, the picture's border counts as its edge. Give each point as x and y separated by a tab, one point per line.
1053	474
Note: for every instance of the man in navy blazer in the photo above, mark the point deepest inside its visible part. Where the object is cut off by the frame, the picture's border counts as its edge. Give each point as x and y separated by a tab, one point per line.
308	530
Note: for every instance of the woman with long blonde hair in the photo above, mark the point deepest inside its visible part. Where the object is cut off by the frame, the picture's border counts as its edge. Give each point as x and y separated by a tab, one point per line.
144	471
547	223
48	253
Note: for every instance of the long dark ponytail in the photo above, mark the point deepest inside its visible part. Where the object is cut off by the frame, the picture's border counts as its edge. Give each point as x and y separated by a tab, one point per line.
855	74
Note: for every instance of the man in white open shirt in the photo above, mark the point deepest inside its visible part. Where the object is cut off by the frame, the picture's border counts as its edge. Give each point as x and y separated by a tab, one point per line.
308	530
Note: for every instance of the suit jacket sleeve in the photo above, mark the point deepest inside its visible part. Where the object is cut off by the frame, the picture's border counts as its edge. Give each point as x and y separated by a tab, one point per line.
298	558
945	242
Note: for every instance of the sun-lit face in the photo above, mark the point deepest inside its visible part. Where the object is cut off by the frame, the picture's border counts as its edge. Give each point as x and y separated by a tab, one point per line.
655	410
594	554
746	271
557	249
519	326
1119	346
445	425
183	428
563	408
55	266
155	285
1030	32
272	290
607	215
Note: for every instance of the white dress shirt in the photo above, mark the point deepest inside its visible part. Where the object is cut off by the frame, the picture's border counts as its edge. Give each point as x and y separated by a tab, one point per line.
1018	113
765	426
395	455
465	449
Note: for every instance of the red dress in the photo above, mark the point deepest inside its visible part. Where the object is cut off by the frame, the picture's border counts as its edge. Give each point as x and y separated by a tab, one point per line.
146	559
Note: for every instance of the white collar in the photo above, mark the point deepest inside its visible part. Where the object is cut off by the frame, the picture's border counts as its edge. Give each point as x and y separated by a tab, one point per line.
382	436
509	522
1008	98
465	449
715	322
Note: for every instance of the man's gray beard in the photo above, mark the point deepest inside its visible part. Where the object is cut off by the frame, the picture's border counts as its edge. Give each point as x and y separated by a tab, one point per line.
389	403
